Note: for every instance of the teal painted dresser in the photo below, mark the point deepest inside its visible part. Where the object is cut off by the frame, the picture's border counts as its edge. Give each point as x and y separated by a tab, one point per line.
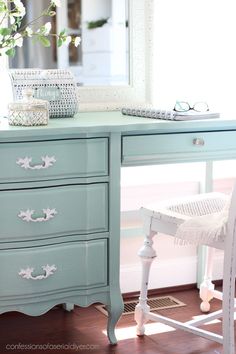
58	240
60	202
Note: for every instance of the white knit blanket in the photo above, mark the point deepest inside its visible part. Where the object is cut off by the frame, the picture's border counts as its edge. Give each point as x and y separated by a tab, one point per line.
204	229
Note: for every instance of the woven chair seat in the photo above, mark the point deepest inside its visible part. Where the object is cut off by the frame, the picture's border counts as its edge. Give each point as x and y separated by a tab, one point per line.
183	209
199	207
177	211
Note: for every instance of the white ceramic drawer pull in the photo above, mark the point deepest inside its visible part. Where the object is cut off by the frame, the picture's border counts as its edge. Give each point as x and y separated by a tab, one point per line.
27	273
28	215
198	142
25	163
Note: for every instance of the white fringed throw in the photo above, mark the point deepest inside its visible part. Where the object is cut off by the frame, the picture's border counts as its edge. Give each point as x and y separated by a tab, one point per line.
204	228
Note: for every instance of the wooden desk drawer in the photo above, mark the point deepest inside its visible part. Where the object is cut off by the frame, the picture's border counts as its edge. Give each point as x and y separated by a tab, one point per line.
68	266
161	148
55	211
58	159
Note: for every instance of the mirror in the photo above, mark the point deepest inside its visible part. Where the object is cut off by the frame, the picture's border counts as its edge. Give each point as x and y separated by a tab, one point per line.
136	87
102	58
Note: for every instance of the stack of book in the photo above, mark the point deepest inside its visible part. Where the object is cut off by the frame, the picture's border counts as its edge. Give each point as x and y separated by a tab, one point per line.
167	114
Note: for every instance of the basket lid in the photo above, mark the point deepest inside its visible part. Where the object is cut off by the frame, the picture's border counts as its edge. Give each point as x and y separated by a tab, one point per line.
28	102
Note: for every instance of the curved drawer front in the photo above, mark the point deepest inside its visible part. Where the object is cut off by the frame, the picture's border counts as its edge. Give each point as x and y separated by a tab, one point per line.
55	211
161	148
56	268
58	159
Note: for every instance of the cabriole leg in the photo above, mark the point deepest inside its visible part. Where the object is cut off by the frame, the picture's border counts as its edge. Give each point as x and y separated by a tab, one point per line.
115	310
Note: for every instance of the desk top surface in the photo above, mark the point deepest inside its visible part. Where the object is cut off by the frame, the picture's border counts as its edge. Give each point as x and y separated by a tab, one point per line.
108	122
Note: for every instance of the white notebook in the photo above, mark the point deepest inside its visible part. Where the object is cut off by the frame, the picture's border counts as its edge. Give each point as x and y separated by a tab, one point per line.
192	115
167	114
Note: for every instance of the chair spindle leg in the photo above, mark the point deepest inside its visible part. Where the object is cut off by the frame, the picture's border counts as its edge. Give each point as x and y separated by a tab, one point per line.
146	254
207	287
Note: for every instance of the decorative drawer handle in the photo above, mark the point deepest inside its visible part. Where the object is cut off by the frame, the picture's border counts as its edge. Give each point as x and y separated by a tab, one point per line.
198	142
27	215
26	161
27	273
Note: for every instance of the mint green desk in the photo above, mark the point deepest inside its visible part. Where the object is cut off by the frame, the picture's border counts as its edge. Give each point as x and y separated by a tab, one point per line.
60	202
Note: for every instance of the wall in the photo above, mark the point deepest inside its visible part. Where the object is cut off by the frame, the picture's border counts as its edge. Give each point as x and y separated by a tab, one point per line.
95	10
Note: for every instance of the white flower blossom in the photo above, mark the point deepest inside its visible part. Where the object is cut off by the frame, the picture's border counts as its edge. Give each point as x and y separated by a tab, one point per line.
77	41
47	28
29	31
68	40
18	3
56	3
12	19
18	40
19	11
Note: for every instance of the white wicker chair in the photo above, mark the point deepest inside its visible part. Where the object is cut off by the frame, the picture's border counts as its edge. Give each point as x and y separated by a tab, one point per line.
166	220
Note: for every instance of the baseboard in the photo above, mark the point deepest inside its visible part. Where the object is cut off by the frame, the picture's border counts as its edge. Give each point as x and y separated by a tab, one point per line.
166	273
155	292
134	295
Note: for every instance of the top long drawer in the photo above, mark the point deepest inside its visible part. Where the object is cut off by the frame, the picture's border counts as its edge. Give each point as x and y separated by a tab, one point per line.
178	147
56	159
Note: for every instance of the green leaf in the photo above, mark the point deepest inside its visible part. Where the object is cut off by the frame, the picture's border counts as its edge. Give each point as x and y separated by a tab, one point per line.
62	33
5	31
44	41
98	23
11	52
18	21
59	42
14	28
3	7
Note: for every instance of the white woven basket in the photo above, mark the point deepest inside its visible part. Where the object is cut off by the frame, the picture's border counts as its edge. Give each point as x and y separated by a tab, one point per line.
57	86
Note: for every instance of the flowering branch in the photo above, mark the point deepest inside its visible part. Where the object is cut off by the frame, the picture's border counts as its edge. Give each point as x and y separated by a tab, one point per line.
13	11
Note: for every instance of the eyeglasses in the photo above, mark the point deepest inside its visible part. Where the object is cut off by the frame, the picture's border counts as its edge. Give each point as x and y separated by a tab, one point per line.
182	106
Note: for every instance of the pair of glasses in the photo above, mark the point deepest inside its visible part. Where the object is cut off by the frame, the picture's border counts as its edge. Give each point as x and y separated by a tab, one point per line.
182	106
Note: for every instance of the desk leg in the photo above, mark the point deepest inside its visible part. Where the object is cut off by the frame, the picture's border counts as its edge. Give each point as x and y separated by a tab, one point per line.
115	310
206	186
68	306
115	305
